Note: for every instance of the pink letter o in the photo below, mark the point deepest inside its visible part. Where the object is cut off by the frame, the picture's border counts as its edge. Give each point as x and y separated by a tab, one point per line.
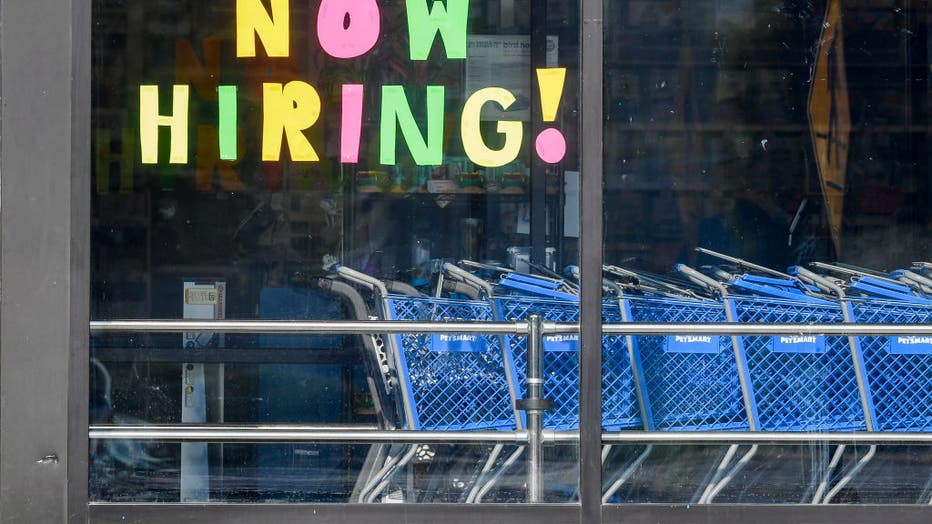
341	40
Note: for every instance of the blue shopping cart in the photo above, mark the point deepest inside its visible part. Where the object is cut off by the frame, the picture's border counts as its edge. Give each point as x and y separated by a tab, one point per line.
523	295
445	381
898	368
688	382
692	382
800	383
515	296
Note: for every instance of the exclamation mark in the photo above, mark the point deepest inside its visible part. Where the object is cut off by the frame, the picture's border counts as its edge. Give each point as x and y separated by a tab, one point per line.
550	143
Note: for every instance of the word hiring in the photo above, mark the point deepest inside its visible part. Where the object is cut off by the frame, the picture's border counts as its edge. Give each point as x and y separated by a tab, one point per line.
345	30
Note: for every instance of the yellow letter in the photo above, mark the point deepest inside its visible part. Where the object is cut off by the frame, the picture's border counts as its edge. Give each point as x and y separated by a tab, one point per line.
292	110
150	120
513	130
252	19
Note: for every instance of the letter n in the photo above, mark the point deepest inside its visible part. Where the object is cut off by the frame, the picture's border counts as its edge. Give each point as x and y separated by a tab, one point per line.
253	20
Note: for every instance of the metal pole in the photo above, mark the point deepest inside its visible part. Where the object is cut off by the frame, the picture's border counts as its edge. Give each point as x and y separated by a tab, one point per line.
538	170
535	405
361	435
364	327
370	434
764	437
330	327
591	242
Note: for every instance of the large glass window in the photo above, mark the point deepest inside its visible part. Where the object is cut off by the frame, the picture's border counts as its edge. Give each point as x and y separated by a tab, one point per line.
324	160
789	140
417	160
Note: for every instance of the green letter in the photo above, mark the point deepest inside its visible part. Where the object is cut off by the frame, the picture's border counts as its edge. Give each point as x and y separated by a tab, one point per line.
226	102
395	108
450	22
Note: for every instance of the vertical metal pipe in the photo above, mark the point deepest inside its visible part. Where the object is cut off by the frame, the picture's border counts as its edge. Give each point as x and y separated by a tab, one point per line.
538	182
590	257
535	409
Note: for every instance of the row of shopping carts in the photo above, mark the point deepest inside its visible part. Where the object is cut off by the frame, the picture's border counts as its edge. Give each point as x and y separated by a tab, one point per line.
672	383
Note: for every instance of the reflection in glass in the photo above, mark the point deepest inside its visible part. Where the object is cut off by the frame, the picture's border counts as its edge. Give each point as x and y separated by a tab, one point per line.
245	150
773	136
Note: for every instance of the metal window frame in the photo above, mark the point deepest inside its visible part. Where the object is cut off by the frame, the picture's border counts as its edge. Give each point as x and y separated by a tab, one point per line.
590	257
45	56
44	162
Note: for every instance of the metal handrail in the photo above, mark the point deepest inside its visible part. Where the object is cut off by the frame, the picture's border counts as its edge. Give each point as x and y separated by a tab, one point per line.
534	436
309	433
348	434
764	437
367	327
307	327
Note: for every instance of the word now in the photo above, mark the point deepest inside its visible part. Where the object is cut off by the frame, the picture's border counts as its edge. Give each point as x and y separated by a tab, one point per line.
350	28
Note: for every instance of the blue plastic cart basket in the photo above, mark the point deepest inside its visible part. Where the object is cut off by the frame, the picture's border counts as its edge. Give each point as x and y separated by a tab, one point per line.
561	364
800	383
898	368
452	381
691	382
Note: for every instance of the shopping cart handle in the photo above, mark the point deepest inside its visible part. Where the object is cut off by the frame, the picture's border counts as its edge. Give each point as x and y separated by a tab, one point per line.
360	278
915	280
701	279
817	280
466	276
525	286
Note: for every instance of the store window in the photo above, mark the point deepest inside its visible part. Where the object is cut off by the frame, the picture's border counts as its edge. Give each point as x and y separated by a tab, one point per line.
789	142
263	160
327	160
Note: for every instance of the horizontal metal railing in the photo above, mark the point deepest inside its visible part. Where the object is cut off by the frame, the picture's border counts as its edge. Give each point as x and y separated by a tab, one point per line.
365	434
309	433
534	436
308	327
370	327
208	433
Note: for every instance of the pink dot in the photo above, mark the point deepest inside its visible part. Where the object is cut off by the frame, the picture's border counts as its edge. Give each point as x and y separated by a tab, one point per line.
551	145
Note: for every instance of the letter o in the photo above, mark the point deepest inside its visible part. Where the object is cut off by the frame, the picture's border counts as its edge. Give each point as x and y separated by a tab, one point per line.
352	40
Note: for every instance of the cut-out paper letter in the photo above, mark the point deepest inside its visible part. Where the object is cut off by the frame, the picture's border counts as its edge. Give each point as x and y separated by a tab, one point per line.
351	124
396	112
253	20
289	109
550	145
551	82
150	120
347	29
208	161
106	158
475	146
449	21
189	70
227	120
